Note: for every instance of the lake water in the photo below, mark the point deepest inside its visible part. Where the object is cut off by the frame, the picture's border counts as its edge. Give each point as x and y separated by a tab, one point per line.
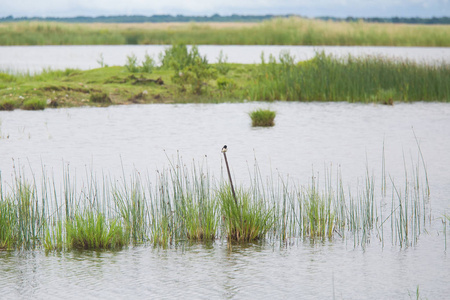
307	138
36	58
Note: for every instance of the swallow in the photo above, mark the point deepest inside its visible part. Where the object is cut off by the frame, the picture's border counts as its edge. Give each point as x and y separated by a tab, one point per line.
224	148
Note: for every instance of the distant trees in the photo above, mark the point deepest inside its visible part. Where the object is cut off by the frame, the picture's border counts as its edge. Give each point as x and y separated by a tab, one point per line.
217	18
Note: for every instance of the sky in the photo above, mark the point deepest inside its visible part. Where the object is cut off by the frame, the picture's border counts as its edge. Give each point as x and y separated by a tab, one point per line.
307	8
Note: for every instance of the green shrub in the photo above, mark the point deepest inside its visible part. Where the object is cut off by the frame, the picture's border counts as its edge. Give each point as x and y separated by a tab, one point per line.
132	65
194	75
222	66
263	117
34	104
178	57
148	64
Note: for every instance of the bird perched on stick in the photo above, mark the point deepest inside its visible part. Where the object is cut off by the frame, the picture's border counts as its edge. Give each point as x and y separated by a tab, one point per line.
224	148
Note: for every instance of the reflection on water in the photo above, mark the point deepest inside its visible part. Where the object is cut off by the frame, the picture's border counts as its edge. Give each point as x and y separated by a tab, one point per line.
306	137
37	58
303	270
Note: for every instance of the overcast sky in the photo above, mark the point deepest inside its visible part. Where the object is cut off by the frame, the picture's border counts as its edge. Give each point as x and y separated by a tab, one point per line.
309	8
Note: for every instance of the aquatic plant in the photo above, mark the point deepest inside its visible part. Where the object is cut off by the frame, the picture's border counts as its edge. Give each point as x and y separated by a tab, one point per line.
184	203
131	205
91	231
248	220
262	117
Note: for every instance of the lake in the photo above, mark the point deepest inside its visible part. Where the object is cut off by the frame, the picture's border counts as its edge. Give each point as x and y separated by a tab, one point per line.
35	58
307	140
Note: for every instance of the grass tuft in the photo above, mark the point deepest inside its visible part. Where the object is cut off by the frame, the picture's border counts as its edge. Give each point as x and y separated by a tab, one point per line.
263	117
7	104
34	104
91	231
248	221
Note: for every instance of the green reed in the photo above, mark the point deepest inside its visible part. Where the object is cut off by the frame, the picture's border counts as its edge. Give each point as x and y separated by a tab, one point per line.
352	79
131	205
185	203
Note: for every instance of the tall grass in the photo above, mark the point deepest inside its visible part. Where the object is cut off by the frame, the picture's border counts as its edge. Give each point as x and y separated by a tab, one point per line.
368	79
281	31
185	203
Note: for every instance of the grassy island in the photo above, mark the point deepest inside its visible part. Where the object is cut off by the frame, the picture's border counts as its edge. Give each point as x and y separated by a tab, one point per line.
185	76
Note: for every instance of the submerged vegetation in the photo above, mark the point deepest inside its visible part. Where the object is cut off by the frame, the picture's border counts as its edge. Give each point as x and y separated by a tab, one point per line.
187	204
185	76
277	31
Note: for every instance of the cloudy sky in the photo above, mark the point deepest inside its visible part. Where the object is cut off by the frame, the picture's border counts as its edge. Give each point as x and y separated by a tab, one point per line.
310	8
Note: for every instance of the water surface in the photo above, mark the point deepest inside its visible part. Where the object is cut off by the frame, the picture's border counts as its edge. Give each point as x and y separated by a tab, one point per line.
307	138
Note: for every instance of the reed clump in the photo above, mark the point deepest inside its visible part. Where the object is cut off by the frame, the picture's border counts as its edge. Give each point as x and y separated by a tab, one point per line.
90	231
263	117
247	219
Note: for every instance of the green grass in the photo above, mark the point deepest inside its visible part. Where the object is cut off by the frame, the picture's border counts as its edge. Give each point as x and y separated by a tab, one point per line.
34	104
263	117
280	31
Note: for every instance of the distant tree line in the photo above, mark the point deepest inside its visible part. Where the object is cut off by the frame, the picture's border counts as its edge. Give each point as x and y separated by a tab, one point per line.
216	18
143	19
415	20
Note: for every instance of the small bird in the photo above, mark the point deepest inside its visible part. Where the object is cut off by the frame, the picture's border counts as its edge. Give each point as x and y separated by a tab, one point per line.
224	148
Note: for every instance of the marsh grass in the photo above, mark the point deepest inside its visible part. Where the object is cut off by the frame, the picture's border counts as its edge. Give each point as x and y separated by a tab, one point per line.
262	117
279	31
185	203
352	79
